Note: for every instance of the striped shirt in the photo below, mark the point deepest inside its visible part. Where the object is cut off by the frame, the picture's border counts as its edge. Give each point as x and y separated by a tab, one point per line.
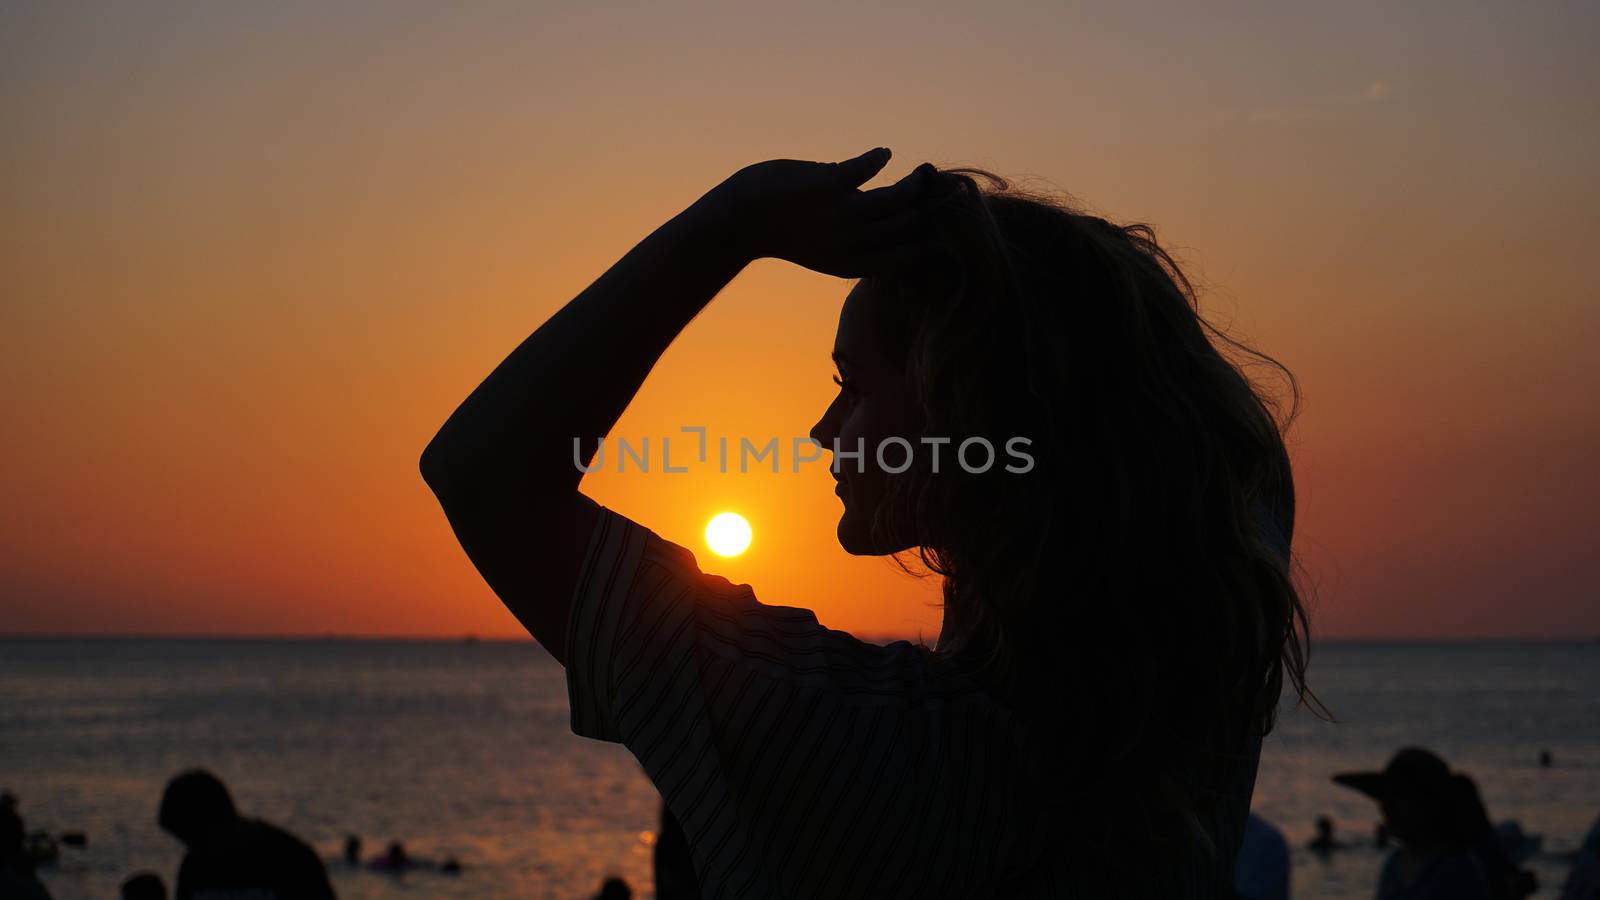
803	762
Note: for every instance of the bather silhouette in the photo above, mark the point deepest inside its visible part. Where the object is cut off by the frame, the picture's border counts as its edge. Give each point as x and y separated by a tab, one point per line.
232	855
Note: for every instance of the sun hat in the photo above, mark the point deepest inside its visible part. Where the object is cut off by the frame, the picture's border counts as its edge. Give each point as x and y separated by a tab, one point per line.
1411	769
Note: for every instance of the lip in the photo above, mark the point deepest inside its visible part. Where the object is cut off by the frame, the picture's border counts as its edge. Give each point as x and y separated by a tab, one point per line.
838	488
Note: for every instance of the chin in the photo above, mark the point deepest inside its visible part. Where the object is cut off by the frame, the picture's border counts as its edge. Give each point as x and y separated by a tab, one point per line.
855	536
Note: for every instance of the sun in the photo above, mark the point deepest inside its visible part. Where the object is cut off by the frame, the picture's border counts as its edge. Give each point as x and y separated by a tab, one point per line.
727	534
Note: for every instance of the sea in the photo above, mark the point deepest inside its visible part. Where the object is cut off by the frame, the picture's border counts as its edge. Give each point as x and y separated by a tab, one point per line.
463	749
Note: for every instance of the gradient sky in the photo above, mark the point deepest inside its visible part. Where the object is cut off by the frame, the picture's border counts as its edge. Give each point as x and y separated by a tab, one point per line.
253	255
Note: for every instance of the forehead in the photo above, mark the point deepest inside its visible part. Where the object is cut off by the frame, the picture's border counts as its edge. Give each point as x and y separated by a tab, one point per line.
857	337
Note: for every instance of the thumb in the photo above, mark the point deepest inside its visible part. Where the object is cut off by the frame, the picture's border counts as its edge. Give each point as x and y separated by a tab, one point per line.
855	172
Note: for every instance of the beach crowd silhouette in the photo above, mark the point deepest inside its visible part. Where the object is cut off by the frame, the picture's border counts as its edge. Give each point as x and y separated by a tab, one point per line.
1440	840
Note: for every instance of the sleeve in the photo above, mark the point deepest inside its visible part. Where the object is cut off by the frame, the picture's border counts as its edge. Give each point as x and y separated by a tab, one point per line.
642	612
792	754
616	549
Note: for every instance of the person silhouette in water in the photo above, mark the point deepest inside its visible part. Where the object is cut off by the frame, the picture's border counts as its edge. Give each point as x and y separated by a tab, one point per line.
1119	611
17	876
233	856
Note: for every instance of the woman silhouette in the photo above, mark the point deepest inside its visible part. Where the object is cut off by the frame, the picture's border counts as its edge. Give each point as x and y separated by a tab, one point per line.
1119	614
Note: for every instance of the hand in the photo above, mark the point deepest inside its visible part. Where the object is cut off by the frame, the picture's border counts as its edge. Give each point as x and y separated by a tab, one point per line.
814	214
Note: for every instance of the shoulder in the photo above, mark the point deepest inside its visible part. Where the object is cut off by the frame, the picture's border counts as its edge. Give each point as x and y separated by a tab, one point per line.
284	843
1461	871
637	592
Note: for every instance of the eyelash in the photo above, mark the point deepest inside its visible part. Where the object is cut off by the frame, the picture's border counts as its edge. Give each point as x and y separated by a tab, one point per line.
844	383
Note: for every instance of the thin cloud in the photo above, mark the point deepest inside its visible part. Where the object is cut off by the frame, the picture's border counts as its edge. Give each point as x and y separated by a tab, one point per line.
1317	109
1375	92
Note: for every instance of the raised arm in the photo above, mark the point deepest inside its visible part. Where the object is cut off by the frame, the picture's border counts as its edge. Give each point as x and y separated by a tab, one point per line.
502	465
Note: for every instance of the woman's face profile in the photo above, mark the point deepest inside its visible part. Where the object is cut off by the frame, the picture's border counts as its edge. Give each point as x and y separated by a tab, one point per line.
872	404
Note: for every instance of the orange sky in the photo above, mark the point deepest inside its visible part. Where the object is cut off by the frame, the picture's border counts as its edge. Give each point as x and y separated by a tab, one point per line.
252	258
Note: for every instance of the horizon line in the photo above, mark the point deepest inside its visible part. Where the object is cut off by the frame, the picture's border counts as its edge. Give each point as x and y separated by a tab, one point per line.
467	637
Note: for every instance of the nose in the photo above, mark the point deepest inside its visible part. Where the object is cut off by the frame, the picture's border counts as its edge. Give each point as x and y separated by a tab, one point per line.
827	427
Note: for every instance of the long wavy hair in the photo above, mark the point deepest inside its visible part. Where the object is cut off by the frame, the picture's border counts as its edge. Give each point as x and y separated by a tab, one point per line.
1134	592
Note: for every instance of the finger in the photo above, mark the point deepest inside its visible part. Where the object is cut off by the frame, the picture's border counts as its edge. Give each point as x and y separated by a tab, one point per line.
855	172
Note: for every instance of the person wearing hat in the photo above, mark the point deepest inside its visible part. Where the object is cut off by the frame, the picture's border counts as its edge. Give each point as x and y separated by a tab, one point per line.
1422	803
